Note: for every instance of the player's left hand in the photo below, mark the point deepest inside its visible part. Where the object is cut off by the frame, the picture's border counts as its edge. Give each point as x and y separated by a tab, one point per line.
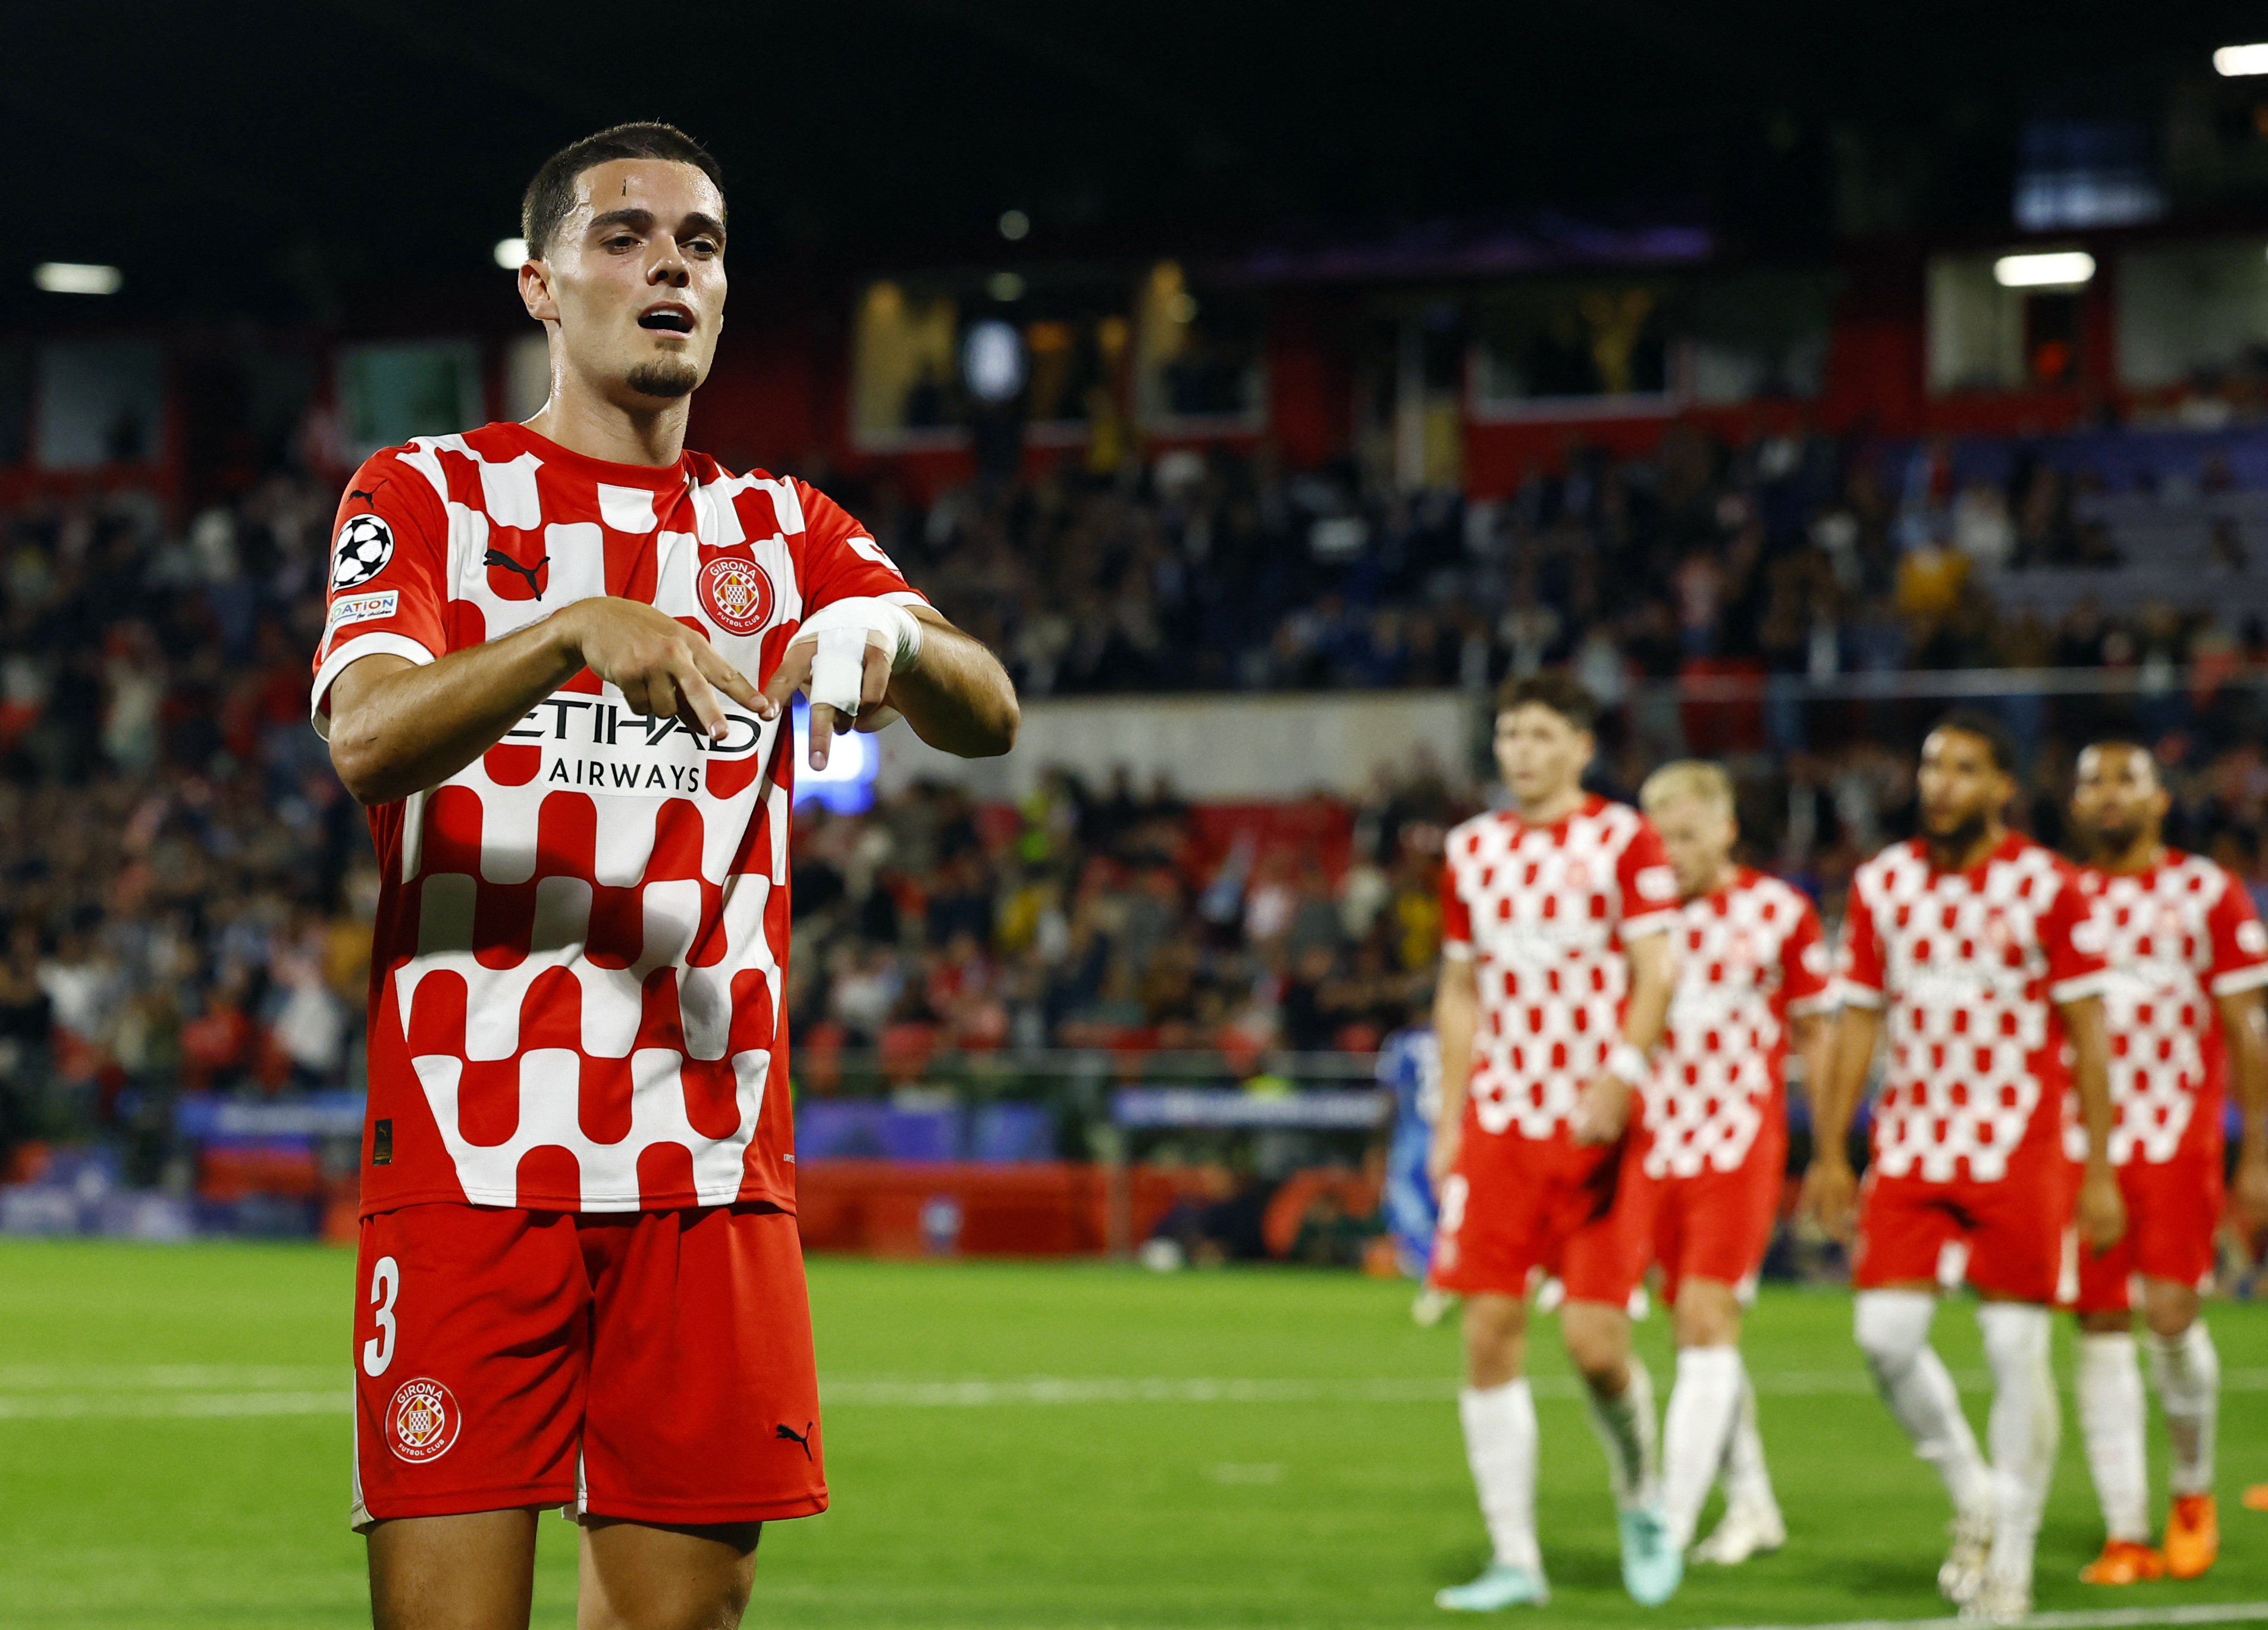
2100	1213
2251	1189
794	674
1604	1109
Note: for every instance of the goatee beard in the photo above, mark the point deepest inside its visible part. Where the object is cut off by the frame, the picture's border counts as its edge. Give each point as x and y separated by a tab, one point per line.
669	378
1958	841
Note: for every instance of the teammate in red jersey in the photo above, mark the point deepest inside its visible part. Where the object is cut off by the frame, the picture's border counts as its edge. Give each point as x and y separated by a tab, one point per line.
2188	957
1752	977
1978	946
556	666
1556	973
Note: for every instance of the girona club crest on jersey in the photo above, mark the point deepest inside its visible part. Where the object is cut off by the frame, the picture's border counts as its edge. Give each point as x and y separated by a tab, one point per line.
422	1420
737	593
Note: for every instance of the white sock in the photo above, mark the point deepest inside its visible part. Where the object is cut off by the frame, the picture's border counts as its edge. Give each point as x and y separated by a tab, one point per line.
2025	1423
1703	1405
1625	1428
1500	1447
2111	1413
1747	1480
1892	1327
2188	1373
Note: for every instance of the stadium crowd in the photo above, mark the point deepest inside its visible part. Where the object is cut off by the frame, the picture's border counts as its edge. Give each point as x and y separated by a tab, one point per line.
185	890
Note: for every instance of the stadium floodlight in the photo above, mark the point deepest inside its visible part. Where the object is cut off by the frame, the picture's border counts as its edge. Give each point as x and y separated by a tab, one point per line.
70	277
1014	226
2239	62
992	361
2059	269
512	253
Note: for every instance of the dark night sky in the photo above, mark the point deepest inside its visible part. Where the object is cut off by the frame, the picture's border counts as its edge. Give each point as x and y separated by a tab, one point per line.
267	157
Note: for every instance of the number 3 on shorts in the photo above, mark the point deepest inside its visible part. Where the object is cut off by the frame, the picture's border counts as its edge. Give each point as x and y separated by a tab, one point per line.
385	1285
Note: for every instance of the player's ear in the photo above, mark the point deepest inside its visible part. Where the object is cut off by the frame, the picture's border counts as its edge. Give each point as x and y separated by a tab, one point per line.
535	291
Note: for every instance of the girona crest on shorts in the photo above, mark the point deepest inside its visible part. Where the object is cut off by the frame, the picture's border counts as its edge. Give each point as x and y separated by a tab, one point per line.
737	593
422	1420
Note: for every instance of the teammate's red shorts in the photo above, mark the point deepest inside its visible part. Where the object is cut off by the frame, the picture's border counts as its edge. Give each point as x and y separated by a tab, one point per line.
1514	1204
1717	1225
2015	1228
2173	1210
652	1366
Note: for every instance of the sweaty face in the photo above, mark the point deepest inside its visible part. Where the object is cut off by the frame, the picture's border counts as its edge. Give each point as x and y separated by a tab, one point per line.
1962	788
1699	836
634	279
2117	799
1541	754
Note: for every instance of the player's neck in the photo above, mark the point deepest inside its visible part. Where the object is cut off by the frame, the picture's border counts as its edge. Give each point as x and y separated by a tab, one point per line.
1550	811
1973	853
582	421
2145	853
1716	879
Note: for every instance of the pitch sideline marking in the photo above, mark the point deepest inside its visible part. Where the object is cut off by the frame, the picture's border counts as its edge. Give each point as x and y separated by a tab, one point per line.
2101	1619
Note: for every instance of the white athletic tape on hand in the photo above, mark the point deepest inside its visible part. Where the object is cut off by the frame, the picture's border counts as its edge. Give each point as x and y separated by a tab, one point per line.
901	631
838	669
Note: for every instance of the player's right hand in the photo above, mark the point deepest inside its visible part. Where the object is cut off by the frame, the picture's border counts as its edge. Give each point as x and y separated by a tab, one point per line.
664	668
1830	1198
1442	1153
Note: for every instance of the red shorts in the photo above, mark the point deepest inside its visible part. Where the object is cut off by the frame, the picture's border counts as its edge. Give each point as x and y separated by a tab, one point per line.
2015	1230
653	1365
1716	1225
2173	1210
1514	1204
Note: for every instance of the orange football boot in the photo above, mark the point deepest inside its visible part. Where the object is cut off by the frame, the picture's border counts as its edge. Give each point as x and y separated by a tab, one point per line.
2192	1535
2256	1498
2123	1562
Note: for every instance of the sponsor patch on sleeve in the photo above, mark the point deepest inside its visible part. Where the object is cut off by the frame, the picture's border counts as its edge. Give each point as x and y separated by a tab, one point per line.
1657	883
362	608
2251	938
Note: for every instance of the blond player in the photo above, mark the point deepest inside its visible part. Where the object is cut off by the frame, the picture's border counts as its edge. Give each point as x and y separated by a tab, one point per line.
2188	957
1753	977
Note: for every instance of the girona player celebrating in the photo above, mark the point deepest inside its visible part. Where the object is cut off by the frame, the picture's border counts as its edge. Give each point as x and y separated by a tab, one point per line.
1977	945
579	1276
1556	973
1752	975
2188	957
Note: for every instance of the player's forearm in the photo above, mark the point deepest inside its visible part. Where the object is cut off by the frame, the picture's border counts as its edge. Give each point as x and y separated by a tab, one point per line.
2245	1025
398	728
1849	1055
1455	1018
1654	979
2090	1074
1815	1049
956	696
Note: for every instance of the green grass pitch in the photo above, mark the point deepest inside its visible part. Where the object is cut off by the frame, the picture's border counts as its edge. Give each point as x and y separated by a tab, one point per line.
1226	1449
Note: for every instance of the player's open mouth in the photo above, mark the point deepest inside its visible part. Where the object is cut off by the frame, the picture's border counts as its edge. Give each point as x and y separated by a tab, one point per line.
666	319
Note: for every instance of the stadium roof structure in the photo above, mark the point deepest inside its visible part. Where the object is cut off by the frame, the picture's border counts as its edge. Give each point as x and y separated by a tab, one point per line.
281	161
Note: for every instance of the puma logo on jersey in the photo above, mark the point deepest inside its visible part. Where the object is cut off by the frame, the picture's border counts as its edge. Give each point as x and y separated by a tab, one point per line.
801	1439
497	558
369	498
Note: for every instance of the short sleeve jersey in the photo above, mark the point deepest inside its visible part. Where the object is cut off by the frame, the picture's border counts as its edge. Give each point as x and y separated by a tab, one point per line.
2178	936
1750	956
1968	966
579	953
1545	914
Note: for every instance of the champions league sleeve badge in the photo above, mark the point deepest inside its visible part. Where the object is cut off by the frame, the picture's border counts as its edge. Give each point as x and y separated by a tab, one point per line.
365	545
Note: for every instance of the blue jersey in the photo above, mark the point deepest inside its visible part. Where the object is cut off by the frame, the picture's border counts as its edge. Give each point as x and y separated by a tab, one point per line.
1409	1063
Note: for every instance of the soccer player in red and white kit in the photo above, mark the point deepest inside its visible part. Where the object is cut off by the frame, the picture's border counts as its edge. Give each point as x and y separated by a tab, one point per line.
1752	977
1555	974
1977	947
556	667
2188	957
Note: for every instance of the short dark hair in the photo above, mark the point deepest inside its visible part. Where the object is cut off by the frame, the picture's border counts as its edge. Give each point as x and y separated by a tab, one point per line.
552	193
1555	690
1989	728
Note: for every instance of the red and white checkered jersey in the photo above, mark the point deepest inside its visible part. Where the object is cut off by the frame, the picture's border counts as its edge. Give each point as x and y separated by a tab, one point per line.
1545	912
1751	956
2178	935
581	939
1969	965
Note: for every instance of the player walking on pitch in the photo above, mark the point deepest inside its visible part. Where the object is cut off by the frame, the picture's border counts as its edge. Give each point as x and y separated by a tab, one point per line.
1977	946
1555	974
2188	957
579	1277
1752	975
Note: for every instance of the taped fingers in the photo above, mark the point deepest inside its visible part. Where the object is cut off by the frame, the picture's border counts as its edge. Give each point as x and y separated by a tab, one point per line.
838	670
